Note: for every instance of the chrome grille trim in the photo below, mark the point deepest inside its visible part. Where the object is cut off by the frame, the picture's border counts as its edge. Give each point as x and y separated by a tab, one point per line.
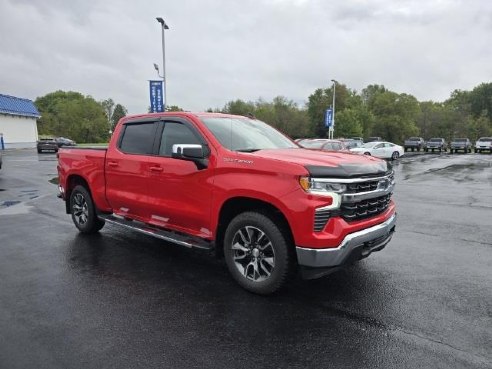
364	198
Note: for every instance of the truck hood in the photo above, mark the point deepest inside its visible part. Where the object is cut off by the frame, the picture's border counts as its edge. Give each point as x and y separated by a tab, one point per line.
328	164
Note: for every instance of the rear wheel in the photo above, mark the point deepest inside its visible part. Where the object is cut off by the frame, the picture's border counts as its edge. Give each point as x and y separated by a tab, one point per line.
258	255
395	155
83	211
367	153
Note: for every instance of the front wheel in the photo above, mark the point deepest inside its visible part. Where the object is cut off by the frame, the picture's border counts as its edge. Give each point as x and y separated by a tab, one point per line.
257	253
83	211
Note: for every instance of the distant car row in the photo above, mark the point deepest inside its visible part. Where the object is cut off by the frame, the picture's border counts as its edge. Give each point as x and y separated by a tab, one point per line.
440	144
53	144
380	149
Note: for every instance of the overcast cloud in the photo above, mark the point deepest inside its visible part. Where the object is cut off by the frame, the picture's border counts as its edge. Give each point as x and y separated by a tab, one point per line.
218	50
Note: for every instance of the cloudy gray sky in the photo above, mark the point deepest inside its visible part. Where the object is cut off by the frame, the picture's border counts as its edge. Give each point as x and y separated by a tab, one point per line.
219	50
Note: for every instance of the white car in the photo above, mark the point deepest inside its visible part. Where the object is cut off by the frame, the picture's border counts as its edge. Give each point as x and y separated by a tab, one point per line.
380	149
483	144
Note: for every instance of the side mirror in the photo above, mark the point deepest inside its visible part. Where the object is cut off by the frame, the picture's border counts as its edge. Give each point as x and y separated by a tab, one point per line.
191	152
187	151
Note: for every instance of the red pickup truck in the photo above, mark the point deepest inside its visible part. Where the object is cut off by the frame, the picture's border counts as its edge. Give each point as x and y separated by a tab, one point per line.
237	186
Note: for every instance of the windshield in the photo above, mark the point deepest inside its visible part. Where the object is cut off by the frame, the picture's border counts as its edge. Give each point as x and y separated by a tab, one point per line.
460	139
435	140
414	139
244	134
485	139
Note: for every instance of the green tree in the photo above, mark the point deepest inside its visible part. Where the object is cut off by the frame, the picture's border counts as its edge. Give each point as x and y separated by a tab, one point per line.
395	116
348	123
118	113
108	106
71	114
173	108
322	99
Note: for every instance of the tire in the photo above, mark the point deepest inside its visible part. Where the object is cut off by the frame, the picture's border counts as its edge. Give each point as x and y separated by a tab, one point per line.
451	151
83	211
258	255
367	153
40	151
395	155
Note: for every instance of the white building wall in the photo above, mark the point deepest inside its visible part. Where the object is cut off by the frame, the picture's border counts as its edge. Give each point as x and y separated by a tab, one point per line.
18	132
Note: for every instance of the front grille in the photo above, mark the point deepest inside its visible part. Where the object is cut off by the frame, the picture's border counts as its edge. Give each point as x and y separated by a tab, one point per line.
352	212
362	187
365	209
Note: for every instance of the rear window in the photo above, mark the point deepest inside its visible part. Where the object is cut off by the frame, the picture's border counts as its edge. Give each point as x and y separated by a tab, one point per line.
138	138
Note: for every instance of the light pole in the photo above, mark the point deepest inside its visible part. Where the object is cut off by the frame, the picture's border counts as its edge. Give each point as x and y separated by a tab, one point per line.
164	26
332	128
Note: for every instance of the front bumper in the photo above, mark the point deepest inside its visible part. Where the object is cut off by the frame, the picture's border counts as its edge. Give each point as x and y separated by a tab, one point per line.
355	245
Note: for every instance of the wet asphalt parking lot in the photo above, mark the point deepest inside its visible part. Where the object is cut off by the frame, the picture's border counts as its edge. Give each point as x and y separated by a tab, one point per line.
122	300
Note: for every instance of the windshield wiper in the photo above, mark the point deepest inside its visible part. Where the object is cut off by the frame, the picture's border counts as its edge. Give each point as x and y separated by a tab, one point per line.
247	150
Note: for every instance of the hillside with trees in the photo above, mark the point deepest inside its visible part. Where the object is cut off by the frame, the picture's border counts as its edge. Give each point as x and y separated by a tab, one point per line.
377	111
374	111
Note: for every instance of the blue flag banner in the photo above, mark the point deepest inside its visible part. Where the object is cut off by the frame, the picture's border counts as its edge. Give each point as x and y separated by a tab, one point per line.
156	97
329	117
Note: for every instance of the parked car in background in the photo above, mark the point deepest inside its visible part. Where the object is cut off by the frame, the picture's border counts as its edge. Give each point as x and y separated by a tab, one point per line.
436	143
372	139
460	144
323	144
360	140
350	143
380	149
414	143
47	144
483	144
62	141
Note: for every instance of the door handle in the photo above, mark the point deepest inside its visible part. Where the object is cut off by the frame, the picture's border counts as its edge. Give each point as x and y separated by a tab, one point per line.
112	164
155	169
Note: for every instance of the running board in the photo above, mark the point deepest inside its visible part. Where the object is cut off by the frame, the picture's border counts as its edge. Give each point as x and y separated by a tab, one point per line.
178	238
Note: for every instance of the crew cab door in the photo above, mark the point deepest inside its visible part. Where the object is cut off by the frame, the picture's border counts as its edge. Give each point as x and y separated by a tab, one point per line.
126	169
180	191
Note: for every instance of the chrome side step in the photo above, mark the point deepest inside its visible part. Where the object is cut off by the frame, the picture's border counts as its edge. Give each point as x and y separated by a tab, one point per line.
178	238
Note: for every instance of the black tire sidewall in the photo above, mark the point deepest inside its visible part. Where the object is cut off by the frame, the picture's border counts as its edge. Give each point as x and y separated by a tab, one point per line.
93	223
283	259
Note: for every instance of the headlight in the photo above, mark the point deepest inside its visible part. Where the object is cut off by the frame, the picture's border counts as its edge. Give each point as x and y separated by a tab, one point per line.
322	188
319	187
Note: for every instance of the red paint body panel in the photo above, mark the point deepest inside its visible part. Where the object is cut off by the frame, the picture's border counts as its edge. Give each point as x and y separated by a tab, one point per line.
180	197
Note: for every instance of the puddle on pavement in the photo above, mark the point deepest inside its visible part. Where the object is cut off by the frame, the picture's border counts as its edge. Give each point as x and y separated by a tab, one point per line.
7	203
462	172
20	208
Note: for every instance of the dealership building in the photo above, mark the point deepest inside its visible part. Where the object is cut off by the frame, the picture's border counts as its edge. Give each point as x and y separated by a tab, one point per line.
18	125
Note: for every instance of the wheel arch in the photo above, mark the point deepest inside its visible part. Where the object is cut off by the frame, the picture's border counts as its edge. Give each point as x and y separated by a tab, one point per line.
74	180
237	205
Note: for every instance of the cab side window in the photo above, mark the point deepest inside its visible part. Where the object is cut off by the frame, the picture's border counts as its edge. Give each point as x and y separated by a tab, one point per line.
138	138
176	133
